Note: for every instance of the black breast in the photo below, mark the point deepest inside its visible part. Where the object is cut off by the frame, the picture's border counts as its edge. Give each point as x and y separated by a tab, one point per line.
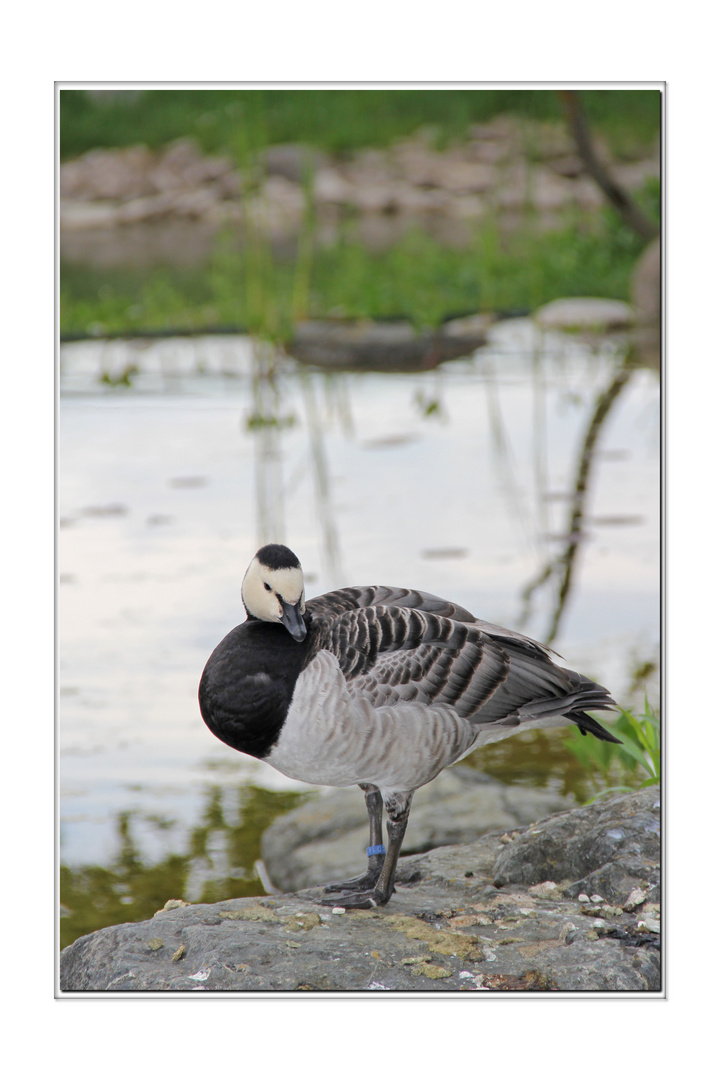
248	683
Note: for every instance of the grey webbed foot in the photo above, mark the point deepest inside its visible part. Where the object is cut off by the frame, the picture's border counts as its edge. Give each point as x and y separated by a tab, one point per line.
368	898
362	883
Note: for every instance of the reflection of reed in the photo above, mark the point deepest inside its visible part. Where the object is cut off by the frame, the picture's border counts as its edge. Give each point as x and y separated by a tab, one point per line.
539	429
321	477
502	449
266	422
337	400
562	567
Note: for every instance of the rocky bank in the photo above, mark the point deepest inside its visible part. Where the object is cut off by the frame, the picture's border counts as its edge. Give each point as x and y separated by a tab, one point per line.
502	167
571	903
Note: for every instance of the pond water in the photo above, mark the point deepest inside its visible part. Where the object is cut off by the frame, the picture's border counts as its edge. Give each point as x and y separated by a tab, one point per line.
458	481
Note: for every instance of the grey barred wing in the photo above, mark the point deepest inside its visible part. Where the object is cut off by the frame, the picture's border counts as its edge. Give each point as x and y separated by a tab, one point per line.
364	596
392	655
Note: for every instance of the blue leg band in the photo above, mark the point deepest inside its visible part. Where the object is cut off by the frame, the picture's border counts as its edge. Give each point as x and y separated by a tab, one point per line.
377	849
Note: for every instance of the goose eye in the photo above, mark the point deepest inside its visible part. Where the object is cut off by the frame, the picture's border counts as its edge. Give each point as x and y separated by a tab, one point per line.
268	587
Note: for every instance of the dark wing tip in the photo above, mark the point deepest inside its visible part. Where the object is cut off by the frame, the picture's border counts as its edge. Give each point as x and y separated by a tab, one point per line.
589	724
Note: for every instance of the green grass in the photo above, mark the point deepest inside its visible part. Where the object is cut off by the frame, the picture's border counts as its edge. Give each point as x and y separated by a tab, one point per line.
633	764
338	121
417	278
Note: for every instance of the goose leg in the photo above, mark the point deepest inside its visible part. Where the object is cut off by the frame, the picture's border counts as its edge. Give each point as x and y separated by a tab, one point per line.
374	804
398	811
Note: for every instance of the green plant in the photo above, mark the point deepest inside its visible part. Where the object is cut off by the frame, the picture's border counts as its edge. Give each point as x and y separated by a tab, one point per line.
337	120
628	766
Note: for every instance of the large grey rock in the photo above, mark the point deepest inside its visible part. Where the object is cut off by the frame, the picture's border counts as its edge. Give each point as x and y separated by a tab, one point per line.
604	849
325	840
447	929
585	313
385	346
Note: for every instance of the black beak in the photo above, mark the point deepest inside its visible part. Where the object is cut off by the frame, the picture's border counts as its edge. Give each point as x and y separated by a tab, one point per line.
292	620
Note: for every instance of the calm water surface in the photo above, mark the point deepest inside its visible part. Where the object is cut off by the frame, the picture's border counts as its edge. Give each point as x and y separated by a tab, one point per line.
456	481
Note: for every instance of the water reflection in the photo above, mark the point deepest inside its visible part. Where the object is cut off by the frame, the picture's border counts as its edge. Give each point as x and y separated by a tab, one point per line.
559	569
218	860
454	480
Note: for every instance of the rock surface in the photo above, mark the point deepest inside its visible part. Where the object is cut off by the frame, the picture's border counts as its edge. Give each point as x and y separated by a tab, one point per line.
385	346
585	313
605	849
451	926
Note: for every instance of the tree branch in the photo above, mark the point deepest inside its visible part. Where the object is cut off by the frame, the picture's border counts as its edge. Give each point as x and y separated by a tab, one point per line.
577	123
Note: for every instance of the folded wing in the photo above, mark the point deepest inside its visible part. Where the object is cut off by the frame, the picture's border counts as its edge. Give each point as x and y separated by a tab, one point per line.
399	646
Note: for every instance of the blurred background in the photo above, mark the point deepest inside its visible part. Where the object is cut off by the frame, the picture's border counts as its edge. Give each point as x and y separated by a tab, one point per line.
413	334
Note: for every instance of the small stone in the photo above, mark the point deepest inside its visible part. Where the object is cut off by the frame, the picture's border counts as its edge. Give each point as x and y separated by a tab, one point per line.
635	899
305	920
170	905
155	943
178	954
583	898
649	924
546	890
585	313
432	971
566	932
338	911
458	921
254	913
597	899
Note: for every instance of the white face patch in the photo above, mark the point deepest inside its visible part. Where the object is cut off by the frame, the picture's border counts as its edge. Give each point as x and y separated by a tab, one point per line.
263	588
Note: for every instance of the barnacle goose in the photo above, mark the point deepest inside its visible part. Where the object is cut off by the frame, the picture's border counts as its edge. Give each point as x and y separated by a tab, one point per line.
380	687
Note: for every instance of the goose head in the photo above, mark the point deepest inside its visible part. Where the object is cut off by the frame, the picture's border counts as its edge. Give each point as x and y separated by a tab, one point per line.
273	589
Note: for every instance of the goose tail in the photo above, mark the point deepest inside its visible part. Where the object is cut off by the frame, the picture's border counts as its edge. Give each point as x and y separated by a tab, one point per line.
586	695
589	724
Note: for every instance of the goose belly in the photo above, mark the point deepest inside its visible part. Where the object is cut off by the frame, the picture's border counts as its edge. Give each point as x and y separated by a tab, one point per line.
332	737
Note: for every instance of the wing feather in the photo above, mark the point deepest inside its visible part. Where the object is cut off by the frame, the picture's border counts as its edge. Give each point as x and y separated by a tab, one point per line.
410	650
354	597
